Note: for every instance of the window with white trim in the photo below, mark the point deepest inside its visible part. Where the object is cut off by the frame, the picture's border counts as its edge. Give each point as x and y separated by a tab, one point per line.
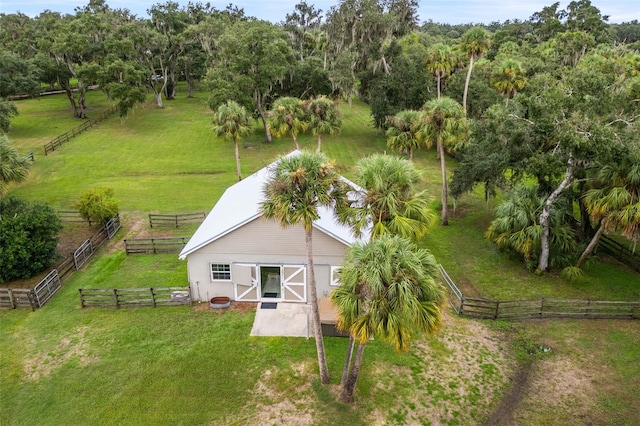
334	276
220	272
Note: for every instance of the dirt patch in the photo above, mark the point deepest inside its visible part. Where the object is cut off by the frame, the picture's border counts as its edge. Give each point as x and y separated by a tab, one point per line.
559	384
241	307
461	374
70	347
504	413
284	409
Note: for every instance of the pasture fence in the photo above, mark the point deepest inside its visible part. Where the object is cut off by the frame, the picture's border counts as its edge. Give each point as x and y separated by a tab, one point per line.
48	286
73	216
67	136
175	220
537	308
155	245
621	252
30	157
17	298
134	297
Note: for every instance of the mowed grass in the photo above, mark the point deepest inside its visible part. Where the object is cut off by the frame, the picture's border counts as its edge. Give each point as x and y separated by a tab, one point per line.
168	160
65	365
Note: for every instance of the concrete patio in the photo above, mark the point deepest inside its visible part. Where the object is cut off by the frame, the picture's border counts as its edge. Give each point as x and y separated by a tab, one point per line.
288	319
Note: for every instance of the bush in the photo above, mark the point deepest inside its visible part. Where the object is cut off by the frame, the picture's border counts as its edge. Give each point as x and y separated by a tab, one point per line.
98	205
27	238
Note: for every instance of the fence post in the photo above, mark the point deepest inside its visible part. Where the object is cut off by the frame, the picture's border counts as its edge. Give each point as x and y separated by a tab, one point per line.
153	297
32	300
115	297
541	307
81	299
11	299
495	315
176	221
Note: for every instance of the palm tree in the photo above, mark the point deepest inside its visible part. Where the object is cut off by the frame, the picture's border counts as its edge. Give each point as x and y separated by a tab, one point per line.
616	204
389	202
297	187
324	118
475	42
517	226
288	116
401	133
389	289
13	166
508	78
232	121
443	123
441	62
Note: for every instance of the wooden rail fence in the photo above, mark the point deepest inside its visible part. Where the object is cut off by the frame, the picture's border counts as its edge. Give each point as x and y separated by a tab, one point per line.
47	287
67	136
155	245
17	298
537	308
620	252
175	220
30	157
72	216
134	297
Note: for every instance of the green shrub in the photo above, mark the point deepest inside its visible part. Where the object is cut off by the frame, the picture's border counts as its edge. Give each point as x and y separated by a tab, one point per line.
98	205
27	237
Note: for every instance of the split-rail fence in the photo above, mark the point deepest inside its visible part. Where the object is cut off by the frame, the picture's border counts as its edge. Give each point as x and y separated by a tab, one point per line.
43	291
537	308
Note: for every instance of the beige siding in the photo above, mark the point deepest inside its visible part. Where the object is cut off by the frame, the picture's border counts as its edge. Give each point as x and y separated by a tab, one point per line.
262	242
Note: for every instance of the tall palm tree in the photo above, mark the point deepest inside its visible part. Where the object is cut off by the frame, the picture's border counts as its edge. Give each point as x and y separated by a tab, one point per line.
401	133
616	203
288	116
508	78
441	61
324	118
297	187
475	42
444	124
389	289
232	122
389	201
13	166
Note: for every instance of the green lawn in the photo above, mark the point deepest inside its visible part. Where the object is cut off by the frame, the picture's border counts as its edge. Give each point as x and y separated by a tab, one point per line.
65	365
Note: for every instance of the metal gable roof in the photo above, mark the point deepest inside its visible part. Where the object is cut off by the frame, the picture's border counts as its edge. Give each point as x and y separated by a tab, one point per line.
240	204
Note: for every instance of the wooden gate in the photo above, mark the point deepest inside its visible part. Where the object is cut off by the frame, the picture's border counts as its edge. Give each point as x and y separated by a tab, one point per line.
245	282
294	283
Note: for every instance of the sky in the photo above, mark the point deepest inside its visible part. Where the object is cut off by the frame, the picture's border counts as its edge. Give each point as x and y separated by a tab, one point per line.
443	11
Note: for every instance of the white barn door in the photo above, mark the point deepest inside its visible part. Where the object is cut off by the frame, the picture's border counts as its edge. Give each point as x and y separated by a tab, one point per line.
294	283
245	282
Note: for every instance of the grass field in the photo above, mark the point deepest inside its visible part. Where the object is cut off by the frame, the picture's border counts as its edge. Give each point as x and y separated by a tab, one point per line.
65	365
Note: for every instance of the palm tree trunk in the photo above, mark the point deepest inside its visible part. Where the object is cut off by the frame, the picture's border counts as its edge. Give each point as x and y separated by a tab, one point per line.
466	85
263	117
319	142
238	171
438	80
350	387
543	262
592	244
295	139
443	170
347	361
315	312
